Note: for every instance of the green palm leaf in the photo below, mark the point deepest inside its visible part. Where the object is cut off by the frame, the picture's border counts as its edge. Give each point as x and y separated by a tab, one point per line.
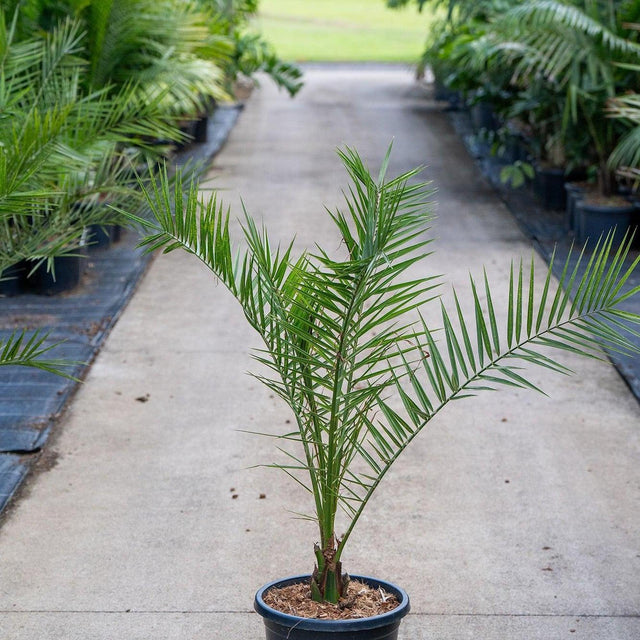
566	42
22	349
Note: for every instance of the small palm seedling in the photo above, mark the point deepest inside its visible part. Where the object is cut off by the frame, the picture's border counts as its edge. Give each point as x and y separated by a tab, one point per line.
346	345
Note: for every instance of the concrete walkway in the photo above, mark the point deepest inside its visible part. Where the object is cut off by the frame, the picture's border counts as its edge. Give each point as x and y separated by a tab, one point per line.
515	517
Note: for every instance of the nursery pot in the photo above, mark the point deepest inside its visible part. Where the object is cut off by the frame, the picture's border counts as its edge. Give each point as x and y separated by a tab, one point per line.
67	276
549	187
281	626
100	236
483	116
200	129
515	149
115	233
574	193
595	220
13	279
188	128
442	93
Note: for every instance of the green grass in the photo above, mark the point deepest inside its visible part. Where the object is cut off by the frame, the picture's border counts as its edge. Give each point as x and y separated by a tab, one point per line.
342	30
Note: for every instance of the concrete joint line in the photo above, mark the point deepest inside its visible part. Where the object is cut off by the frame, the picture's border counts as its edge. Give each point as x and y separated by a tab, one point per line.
250	611
125	611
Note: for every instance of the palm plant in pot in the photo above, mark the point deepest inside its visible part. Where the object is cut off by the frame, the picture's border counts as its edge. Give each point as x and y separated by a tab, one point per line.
347	347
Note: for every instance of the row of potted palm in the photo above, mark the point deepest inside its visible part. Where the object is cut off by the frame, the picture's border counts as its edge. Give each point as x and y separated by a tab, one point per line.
64	149
558	72
93	91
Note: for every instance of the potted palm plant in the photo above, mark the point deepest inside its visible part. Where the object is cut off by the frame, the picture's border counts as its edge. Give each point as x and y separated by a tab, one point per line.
347	347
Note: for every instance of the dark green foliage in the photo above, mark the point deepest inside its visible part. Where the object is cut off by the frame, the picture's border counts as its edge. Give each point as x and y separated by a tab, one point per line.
551	66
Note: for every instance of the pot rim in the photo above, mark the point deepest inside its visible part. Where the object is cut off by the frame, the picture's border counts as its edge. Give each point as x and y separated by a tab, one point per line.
315	624
594	207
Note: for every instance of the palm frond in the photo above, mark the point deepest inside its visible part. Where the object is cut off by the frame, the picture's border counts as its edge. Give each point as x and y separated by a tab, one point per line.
22	349
627	152
165	47
566	44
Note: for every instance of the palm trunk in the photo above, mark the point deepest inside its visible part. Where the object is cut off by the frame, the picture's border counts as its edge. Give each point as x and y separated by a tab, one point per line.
606	180
328	583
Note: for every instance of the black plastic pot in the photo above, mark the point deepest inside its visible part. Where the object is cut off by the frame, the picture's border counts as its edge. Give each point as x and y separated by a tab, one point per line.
595	220
548	185
281	626
66	276
13	280
442	93
100	236
574	193
483	116
200	129
515	149
189	129
116	233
